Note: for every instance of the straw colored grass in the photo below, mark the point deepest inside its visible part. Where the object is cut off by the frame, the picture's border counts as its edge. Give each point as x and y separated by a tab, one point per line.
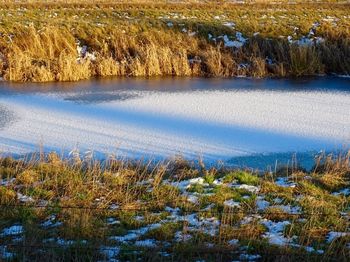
59	41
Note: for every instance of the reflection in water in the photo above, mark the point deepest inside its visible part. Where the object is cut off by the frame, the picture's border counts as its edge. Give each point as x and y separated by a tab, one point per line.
178	84
87	98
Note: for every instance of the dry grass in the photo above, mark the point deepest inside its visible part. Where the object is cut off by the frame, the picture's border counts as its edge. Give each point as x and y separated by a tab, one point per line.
84	197
38	41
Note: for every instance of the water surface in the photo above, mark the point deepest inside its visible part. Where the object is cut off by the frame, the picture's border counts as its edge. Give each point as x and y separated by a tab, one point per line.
242	122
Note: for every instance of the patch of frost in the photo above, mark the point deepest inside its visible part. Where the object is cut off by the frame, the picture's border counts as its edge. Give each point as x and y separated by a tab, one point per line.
134	234
218	182
249	257
230	43
182	237
275	232
334	235
249	188
193	199
5	254
112	221
6	182
12	231
283	182
51	222
345	192
24	198
185	184
109	252
231	203
233	242
262	204
113	207
64	242
288	209
229	24
150	243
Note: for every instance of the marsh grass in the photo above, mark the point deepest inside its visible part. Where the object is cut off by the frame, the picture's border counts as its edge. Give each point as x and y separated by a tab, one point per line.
38	42
86	203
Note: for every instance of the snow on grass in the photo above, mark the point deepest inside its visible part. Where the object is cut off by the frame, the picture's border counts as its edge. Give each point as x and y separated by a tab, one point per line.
232	43
193	199
172	210
231	203
149	243
110	252
24	198
249	219
12	231
334	235
182	237
51	222
112	221
7	182
288	209
113	207
164	254
229	24
64	242
5	254
283	182
135	234
196	223
275	232
139	218
249	188
262	204
345	192
249	257
233	242
218	182
185	184
312	250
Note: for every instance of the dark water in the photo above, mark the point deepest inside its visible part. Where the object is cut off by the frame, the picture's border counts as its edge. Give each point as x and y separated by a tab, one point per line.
100	86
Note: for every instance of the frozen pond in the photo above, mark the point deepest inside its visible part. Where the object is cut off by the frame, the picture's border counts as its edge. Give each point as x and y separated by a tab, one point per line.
239	121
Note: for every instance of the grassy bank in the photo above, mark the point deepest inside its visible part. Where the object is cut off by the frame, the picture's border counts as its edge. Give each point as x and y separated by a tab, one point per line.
68	42
81	210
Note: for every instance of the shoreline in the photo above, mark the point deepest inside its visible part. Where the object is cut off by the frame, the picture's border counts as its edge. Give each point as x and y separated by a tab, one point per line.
249	40
112	77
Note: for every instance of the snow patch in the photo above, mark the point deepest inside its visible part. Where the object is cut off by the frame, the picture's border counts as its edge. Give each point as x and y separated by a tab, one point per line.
283	182
262	204
5	254
24	198
150	243
109	252
12	231
182	237
231	203
334	235
275	232
134	234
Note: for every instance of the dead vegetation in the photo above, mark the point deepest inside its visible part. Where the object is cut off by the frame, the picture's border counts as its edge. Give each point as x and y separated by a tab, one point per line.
79	209
72	42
